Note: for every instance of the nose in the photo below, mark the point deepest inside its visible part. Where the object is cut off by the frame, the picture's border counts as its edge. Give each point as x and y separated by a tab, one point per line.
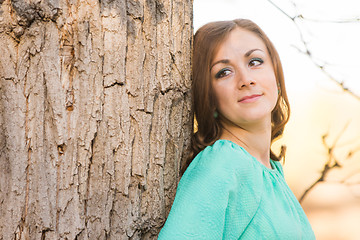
244	78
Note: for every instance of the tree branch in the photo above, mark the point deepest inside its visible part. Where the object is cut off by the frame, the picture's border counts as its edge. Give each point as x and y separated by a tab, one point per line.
308	52
331	162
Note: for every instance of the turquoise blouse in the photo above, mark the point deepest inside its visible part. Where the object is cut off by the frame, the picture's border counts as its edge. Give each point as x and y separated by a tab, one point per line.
227	194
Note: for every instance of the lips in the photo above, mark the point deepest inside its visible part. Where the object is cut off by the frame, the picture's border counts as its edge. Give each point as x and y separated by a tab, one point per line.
250	98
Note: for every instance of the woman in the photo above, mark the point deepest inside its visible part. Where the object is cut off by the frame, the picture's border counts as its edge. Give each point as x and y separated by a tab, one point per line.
234	188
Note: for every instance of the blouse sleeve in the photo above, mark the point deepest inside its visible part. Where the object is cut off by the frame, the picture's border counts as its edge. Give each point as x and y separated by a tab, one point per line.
199	208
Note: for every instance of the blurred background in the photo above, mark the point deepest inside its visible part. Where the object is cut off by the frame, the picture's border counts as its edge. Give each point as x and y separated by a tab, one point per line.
319	45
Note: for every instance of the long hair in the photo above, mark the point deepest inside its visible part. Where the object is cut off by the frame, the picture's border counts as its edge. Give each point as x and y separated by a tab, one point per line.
206	42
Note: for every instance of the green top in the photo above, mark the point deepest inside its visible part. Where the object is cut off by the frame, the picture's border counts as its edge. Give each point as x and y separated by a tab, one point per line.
227	194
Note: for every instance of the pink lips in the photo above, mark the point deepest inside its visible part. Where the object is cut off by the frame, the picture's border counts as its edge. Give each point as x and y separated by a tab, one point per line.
250	99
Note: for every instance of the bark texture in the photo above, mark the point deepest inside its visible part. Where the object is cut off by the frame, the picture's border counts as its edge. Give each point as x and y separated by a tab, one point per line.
95	115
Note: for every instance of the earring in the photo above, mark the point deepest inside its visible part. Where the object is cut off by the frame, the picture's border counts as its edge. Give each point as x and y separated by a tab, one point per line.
216	114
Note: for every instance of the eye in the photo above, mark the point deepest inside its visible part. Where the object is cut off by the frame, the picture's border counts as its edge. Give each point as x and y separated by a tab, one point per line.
223	73
255	62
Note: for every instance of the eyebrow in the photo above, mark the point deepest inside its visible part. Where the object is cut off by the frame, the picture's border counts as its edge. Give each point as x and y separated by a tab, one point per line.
251	51
225	61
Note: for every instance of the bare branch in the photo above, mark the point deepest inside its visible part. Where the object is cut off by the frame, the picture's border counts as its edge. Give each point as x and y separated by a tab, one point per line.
308	52
330	164
340	21
278	8
341	133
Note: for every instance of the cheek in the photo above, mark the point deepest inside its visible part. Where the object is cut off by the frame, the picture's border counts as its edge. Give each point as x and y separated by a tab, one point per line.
276	93
273	85
220	93
273	90
219	99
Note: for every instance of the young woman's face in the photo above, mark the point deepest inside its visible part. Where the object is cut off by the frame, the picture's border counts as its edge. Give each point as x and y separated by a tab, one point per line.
243	79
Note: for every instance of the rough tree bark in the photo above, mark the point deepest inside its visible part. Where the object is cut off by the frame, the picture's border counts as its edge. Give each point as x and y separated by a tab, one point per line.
94	116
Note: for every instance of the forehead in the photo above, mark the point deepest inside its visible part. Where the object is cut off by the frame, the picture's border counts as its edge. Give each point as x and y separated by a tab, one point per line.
239	41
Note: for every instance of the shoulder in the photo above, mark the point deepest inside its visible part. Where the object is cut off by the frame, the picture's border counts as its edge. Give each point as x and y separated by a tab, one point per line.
221	177
221	155
225	161
278	167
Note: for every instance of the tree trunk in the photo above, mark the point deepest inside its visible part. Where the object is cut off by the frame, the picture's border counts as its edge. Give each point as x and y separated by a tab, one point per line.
95	116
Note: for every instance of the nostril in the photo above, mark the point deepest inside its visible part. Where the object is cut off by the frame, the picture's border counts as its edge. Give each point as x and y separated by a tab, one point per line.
244	84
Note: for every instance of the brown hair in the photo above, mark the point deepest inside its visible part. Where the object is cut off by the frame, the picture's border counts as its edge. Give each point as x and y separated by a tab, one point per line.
206	42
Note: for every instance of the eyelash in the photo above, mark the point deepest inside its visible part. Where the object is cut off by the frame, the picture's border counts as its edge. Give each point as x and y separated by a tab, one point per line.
220	74
256	59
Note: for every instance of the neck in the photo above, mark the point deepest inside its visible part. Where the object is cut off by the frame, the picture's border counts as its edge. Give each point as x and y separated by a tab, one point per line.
254	139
